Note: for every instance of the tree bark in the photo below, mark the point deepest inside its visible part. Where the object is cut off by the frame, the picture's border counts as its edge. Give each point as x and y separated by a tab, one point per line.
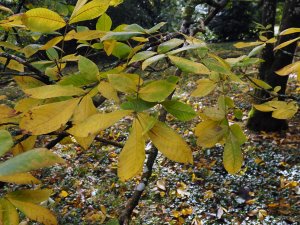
261	121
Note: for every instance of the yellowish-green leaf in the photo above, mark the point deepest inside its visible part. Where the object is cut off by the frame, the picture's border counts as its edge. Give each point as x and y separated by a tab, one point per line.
85	35
42	20
33	196
104	23
290	31
261	84
97	122
204	87
284	44
120	36
24	145
35	212
107	90
146	121
247	44
51	91
151	60
13	64
131	159
141	56
232	155
156	91
209	133
169	45
214	113
48	118
5	9
125	82
264	108
9	45
8	213
287	112
189	66
89	11
6	142
28	161
170	143
20	178
79	5
238	133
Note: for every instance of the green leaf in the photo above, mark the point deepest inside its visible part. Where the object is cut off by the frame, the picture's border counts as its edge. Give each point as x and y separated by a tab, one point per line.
88	68
8	213
120	36
134	28
204	87
180	110
156	91
169	45
28	161
188	47
141	56
121	50
155	28
238	114
238	133
189	66
52	54
6	142
137	105
104	23
151	60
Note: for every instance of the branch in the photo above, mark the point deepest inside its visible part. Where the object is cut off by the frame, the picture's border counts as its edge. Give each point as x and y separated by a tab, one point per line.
108	142
40	76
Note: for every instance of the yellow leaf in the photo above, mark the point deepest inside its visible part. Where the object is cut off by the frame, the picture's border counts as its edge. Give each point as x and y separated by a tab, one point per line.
291	68
264	108
47	118
27	82
125	82
85	109
109	46
6	111
5	9
79	5
284	44
89	11
170	143
205	86
9	45
290	31
8	213
25	104
97	122
42	20
86	35
261	84
132	157
63	194
146	121
13	64
24	145
286	112
51	91
35	212
232	155
108	91
51	43
247	44
20	178
209	133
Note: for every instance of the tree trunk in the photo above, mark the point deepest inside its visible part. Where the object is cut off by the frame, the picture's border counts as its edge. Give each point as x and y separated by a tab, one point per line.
261	121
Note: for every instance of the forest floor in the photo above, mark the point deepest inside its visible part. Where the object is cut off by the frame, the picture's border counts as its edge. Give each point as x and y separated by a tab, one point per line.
87	191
